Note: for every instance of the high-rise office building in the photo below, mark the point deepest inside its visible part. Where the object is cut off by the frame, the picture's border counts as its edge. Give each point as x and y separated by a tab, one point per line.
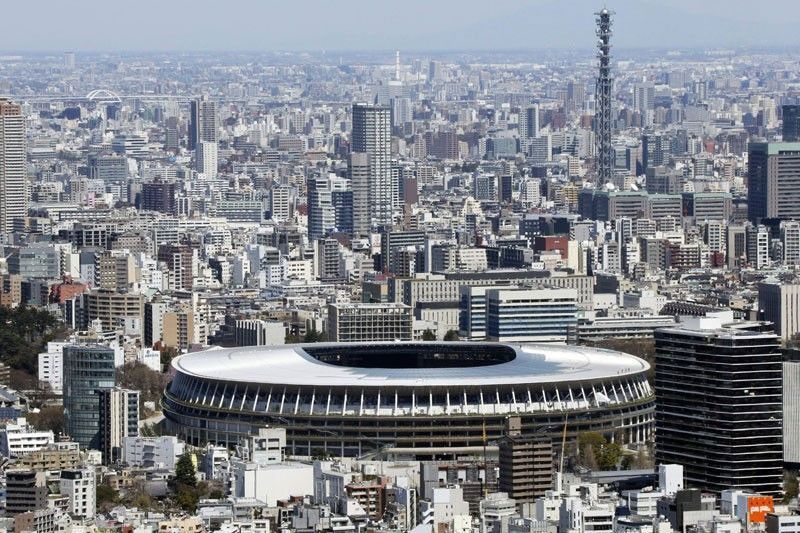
13	171
119	418
773	181
69	60
791	123
206	159
87	370
330	206
529	122
719	404
202	121
372	136
358	170
171	134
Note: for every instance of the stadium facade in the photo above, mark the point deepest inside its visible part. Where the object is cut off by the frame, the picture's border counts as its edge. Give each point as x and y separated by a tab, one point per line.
410	399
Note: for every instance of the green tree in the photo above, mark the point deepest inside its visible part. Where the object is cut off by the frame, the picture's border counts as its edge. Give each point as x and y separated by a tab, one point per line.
106	496
790	485
597	452
451	335
312	335
185	472
428	335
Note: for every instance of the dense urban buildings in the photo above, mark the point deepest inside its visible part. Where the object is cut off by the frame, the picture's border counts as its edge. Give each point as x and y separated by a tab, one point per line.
496	290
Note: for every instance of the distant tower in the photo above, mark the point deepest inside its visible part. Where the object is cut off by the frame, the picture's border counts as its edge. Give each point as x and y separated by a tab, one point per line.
605	152
13	170
397	65
202	121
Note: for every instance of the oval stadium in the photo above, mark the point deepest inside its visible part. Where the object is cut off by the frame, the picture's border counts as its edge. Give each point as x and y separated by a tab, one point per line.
416	399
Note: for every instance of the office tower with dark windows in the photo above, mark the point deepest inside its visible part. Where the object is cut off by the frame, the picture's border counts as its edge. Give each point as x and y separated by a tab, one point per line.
13	170
202	121
372	136
119	418
719	403
159	196
791	123
773	181
88	369
529	122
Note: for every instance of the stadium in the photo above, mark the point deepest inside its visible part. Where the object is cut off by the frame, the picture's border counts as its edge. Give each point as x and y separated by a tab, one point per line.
414	400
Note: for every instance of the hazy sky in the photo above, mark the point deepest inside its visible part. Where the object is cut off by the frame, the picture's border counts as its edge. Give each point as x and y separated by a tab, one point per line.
264	25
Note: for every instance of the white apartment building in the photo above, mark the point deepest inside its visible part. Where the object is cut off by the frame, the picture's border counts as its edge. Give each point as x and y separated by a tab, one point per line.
17	439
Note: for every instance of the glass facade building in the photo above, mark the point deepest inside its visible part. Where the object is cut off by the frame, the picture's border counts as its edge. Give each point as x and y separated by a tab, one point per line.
87	369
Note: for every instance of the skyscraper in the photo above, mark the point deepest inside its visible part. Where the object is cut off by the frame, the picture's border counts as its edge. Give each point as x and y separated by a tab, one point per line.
605	151
719	404
202	121
529	122
372	136
13	183
87	369
791	123
773	181
358	170
119	418
206	159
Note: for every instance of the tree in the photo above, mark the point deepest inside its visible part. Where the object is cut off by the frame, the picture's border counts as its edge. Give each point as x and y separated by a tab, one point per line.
106	496
185	472
790	485
49	418
149	383
597	452
451	335
312	335
428	335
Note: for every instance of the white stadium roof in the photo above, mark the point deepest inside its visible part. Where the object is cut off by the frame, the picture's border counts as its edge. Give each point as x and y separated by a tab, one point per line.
292	365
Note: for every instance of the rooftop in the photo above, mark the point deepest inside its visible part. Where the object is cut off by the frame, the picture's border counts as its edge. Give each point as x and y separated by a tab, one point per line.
408	364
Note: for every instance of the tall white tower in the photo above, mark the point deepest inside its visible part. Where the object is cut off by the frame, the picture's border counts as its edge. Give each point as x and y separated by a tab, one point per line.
13	173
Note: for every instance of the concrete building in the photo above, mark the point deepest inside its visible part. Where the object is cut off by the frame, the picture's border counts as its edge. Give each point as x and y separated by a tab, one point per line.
369	322
203	122
791	408
530	315
152	452
526	463
254	332
119	419
780	304
372	136
80	487
773	181
18	439
26	490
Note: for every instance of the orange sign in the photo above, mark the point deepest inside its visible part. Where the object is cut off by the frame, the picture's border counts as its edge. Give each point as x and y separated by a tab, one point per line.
758	507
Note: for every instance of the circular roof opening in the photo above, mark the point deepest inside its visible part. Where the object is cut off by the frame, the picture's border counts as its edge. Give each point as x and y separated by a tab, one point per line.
413	355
